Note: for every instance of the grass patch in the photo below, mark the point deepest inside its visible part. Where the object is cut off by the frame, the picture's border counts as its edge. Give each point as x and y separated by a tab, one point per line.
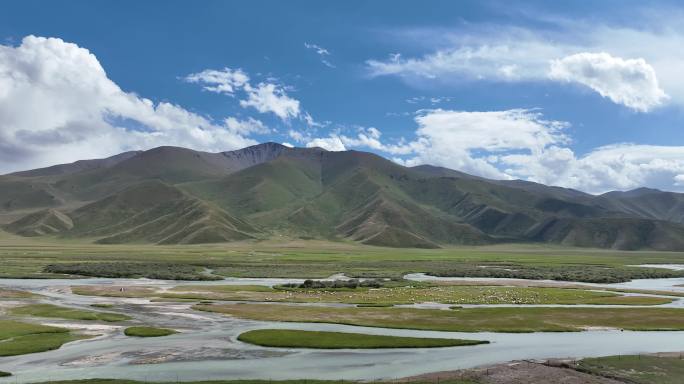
374	305
467	319
579	273
6	293
284	338
387	296
5	374
637	369
17	338
300	381
28	257
49	310
222	288
148	332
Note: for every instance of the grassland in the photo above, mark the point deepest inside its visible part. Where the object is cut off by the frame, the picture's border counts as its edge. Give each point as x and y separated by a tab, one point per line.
467	319
17	338
49	310
287	338
23	257
5	374
13	294
447	294
647	369
301	381
148	332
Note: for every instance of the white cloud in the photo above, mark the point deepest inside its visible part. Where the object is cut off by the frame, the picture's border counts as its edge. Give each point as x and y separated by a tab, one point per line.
473	141
679	180
513	58
626	166
264	97
321	52
285	143
225	81
521	144
632	82
58	105
332	143
296	136
365	137
512	54
267	97
313	123
247	126
620	166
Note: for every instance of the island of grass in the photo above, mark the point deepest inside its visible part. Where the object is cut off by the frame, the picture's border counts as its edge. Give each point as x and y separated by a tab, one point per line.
54	311
148	332
384	296
286	338
506	319
5	374
6	293
17	338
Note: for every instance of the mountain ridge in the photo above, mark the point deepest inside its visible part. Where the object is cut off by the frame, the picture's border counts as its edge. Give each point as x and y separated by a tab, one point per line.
174	195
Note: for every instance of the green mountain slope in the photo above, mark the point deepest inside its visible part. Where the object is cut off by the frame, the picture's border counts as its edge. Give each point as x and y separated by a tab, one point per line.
153	211
44	222
172	195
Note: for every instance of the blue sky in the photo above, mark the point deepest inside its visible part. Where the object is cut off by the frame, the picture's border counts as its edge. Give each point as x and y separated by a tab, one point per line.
579	94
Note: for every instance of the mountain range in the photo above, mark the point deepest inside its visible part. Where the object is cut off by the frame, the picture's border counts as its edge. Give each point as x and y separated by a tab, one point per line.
171	195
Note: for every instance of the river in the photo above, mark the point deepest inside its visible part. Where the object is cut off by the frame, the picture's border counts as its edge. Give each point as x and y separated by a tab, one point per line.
207	349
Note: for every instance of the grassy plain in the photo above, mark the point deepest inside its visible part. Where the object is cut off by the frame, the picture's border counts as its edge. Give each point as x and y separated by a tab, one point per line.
49	310
288	338
17	338
466	319
301	381
447	294
29	257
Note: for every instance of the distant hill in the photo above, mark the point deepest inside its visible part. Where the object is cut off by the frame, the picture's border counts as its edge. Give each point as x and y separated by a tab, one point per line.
171	195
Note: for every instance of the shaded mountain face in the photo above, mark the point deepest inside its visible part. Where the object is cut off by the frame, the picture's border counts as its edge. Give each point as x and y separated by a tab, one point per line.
171	195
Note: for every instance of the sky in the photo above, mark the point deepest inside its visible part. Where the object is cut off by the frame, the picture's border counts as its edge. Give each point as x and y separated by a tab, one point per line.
583	94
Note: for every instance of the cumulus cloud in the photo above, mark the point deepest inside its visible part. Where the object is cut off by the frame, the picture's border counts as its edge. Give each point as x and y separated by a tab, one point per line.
649	60
631	82
264	97
474	141
522	144
679	180
620	166
225	81
332	143
267	97
246	126
58	105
